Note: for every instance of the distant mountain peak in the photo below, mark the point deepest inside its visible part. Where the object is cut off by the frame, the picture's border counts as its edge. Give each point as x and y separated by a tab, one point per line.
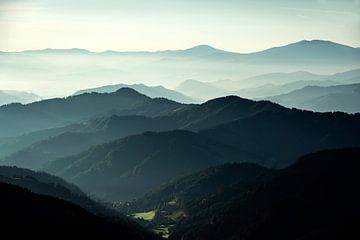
129	91
203	49
318	43
203	46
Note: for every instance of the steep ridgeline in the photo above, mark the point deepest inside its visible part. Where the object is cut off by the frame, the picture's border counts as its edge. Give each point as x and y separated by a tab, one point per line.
39	153
46	184
153	92
17	119
279	138
170	199
27	214
128	167
36	149
315	198
259	132
131	166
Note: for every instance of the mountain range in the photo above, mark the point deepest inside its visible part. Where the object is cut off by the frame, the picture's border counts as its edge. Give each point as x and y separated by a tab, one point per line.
314	198
153	92
32	199
344	98
17	119
265	146
25	211
115	157
167	68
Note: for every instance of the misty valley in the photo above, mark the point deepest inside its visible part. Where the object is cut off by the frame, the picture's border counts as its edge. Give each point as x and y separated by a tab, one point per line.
199	143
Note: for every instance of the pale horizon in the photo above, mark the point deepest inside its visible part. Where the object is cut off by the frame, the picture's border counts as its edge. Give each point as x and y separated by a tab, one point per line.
179	49
236	26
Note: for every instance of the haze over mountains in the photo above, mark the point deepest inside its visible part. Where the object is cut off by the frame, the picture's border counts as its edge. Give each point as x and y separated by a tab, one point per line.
11	96
81	69
116	146
251	146
158	91
343	98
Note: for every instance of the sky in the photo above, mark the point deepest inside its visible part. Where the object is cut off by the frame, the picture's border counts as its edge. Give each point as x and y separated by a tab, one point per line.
149	25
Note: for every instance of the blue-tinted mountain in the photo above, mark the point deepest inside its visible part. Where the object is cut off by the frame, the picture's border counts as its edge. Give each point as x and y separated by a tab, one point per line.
240	130
9	96
344	98
270	89
196	51
153	92
128	167
281	137
201	90
73	139
348	77
39	148
17	119
310	51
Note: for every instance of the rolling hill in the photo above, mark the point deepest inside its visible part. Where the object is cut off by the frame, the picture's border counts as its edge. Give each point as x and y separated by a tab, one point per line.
74	139
240	130
279	138
315	198
168	68
153	92
39	148
128	167
17	119
11	96
344	98
23	212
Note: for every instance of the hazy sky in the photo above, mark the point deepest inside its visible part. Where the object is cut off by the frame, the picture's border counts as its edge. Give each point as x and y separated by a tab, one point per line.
235	25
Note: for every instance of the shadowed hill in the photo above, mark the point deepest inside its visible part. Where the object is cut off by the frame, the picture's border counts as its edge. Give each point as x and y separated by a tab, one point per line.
17	119
315	198
279	138
127	167
46	184
24	212
73	139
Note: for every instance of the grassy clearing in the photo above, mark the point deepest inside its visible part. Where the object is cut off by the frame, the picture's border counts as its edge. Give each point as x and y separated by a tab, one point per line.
163	230
147	216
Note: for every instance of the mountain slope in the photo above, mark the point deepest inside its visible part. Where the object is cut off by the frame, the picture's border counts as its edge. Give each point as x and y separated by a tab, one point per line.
168	68
97	131
46	184
153	92
218	111
37	149
14	144
269	89
10	96
128	167
280	137
200	90
323	99
182	191
316	198
310	51
23	212
16	119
